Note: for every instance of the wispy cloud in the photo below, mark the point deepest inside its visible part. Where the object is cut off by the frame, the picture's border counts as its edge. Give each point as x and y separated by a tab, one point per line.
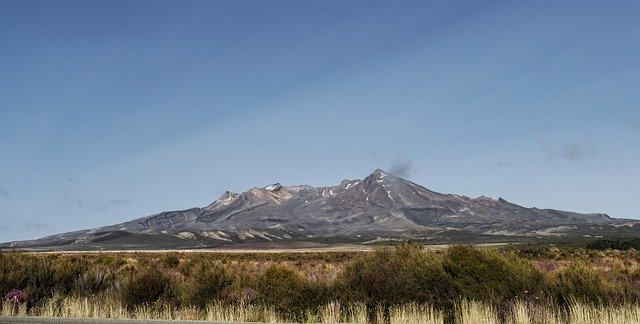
578	150
98	207
572	151
401	167
4	194
37	226
120	201
372	154
84	204
63	179
506	164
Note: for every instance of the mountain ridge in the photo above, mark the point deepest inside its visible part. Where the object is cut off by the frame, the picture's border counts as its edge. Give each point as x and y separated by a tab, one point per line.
381	205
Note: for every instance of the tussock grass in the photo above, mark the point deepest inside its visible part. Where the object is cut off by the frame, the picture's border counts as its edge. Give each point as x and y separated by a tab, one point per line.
241	312
471	312
415	314
8	309
76	307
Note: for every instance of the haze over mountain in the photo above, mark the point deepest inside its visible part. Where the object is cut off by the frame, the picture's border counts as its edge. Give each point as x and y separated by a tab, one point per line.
381	206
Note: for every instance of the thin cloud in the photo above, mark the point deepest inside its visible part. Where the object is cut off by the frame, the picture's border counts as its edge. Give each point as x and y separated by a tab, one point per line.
577	151
4	194
79	203
572	151
37	226
98	207
401	167
120	201
506	164
63	179
85	204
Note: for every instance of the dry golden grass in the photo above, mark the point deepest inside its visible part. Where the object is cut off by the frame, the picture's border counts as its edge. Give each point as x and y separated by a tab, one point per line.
82	308
334	312
472	313
8	309
242	312
415	314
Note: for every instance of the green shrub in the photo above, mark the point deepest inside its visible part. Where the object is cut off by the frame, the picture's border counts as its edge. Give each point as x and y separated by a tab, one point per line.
396	276
94	281
146	287
288	292
576	282
66	271
38	281
171	261
488	276
206	283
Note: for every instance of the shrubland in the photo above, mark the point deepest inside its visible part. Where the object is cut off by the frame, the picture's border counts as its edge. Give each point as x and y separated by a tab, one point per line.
544	284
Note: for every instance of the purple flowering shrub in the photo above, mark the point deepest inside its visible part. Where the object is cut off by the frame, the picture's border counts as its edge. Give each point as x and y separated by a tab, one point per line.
15	296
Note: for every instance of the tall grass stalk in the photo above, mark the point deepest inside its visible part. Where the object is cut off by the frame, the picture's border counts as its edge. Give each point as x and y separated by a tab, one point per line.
82	308
9	309
415	314
470	311
241	312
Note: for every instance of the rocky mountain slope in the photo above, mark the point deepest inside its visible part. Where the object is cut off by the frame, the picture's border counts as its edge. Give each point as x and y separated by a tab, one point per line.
382	206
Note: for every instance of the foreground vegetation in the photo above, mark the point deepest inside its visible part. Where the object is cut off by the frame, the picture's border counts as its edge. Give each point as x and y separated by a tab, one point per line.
469	312
405	284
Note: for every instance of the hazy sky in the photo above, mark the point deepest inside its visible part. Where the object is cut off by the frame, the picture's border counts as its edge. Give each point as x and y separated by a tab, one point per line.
112	110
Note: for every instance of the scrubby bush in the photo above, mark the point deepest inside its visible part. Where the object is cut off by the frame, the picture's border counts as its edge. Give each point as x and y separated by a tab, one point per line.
403	275
288	292
94	281
171	261
32	275
206	284
38	282
66	271
488	276
395	276
576	282
147	287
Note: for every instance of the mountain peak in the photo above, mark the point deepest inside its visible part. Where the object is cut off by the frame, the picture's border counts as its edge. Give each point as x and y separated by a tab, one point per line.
273	187
380	174
228	195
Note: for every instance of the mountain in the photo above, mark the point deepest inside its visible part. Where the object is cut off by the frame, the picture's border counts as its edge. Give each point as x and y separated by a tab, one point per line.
381	206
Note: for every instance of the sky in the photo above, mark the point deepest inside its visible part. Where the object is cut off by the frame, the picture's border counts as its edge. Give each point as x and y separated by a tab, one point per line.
113	110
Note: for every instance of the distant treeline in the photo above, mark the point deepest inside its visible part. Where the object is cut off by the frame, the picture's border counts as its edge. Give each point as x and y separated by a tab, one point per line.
616	244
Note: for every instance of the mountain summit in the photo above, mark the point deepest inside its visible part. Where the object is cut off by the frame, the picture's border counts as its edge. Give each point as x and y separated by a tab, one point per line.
381	206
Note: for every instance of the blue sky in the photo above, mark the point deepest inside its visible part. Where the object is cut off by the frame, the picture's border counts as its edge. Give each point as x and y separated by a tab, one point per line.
112	110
